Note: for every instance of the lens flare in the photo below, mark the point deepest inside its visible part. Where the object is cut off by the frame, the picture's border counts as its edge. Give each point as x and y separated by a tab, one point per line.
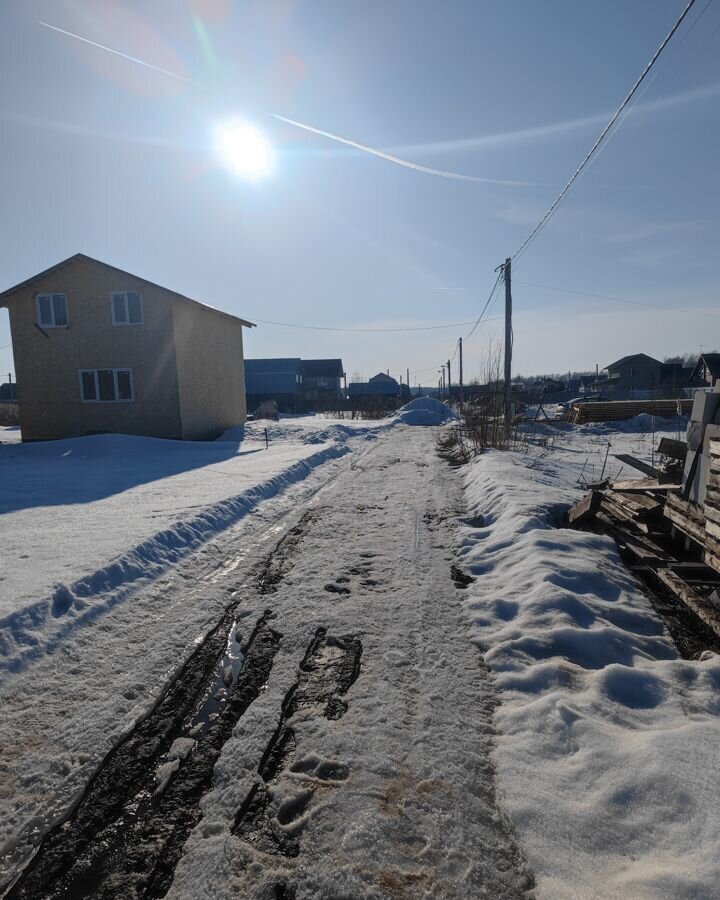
244	149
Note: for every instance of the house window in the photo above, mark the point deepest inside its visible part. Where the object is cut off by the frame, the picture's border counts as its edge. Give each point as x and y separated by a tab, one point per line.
52	310
631	372
106	385
127	308
323	381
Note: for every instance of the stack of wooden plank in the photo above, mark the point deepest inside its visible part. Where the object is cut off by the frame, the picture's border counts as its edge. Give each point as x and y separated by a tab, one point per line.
622	502
700	522
632	513
616	410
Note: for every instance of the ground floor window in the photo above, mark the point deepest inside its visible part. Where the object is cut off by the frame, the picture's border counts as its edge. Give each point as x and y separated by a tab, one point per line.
106	385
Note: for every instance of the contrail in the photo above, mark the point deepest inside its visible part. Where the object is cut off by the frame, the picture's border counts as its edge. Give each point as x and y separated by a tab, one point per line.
427	170
396	159
134	59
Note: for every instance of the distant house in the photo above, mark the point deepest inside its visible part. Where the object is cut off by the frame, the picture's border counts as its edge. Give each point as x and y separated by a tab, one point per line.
380	389
8	392
297	385
322	382
706	371
275	379
98	349
639	376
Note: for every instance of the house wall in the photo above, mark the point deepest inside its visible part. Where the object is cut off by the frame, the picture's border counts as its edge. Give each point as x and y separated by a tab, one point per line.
210	370
645	376
48	367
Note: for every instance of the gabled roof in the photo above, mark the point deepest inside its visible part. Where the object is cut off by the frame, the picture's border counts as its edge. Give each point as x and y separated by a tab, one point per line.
383	376
78	257
627	359
330	368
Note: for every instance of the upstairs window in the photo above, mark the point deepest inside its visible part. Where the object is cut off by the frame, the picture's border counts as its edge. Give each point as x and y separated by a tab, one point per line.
127	308
106	385
52	310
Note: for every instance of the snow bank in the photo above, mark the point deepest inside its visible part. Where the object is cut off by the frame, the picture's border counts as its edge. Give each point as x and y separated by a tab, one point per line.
424	411
37	628
609	742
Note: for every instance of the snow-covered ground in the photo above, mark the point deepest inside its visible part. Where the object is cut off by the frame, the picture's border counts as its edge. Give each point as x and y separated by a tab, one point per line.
10	434
609	742
86	521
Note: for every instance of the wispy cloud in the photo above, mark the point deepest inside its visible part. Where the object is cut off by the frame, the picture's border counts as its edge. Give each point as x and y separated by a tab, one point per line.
560	129
381	154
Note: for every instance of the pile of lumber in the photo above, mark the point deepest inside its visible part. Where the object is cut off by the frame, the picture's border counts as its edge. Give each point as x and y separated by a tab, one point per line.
633	513
638	502
615	410
700	522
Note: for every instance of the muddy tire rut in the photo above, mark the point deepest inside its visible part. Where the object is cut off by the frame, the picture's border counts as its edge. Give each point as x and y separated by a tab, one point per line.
125	836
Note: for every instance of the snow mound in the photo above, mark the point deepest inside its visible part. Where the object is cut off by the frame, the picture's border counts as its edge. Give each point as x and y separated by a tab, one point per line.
424	411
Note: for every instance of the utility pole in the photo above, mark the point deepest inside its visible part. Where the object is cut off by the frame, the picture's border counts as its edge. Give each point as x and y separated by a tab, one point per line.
449	381
508	347
407	373
461	374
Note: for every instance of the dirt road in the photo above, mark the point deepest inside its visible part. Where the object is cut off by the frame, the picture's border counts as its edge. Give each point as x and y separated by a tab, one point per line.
331	737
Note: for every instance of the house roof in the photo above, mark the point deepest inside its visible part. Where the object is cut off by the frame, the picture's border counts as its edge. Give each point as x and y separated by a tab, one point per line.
332	368
627	359
77	257
383	376
289	364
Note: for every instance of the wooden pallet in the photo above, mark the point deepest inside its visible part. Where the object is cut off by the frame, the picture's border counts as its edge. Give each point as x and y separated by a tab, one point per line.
617	410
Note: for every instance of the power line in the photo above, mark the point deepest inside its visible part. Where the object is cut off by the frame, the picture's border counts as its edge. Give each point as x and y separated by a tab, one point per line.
361	330
561	196
550	287
484	309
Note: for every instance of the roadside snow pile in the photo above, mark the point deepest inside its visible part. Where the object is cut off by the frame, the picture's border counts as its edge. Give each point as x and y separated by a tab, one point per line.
424	411
100	516
608	741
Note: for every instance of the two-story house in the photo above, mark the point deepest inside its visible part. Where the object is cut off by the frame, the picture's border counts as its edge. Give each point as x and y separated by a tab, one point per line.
279	379
98	349
322	382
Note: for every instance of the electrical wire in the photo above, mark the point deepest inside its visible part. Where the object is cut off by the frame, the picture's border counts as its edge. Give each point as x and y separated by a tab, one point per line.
591	153
484	309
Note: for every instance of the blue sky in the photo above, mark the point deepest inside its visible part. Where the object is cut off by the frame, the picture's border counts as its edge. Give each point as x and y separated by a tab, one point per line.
103	156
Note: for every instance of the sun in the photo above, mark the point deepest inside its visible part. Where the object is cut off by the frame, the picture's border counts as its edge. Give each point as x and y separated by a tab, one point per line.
244	149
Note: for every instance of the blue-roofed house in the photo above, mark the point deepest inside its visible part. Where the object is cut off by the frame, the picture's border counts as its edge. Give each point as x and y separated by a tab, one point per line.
275	379
381	389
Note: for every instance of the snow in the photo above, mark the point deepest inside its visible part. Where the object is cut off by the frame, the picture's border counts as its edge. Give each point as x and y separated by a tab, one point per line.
10	434
597	769
424	411
608	741
100	516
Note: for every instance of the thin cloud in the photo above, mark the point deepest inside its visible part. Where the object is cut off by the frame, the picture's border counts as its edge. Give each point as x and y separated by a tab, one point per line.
555	129
381	154
135	59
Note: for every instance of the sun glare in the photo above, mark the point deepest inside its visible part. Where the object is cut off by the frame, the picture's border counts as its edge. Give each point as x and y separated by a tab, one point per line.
244	149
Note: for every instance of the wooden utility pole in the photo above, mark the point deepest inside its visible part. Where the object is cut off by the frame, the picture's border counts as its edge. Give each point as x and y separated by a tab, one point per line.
508	347
449	382
407	373
461	373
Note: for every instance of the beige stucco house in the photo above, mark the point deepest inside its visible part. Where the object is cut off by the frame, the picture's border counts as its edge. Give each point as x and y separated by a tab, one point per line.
100	350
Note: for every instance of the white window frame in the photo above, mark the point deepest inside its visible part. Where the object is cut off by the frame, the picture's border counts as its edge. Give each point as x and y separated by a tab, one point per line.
50	295
97	399
123	294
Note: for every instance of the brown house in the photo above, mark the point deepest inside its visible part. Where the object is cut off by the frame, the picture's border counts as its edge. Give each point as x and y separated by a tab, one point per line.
100	350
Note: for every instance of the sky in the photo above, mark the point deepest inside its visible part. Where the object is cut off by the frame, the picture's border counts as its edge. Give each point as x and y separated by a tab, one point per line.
103	155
